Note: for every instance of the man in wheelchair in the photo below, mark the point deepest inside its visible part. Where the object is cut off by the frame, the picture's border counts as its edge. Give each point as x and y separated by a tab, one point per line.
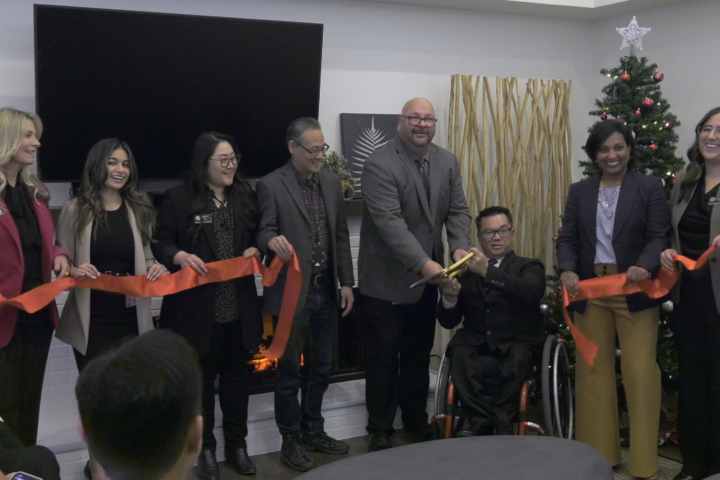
502	335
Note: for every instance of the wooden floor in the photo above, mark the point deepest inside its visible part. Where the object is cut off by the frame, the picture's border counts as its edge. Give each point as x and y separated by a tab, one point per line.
269	465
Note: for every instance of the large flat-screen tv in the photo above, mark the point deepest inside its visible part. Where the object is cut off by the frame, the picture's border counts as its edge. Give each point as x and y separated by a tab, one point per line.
157	81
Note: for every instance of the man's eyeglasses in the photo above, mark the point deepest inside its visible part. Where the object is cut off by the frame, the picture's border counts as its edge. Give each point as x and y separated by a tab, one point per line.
226	161
489	234
415	121
706	129
316	151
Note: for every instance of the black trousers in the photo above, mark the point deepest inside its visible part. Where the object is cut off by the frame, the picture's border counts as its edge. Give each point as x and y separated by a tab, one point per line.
697	327
22	371
398	342
228	359
107	331
35	460
488	381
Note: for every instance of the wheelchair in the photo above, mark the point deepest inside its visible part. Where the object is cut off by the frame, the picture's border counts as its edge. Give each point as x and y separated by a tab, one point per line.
550	383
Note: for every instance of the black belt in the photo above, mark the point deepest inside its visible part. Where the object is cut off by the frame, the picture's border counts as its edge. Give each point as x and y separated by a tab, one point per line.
319	278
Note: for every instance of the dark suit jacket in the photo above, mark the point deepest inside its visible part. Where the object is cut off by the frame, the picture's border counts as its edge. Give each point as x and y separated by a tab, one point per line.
640	232
15	457
283	212
191	312
678	206
501	309
399	227
12	265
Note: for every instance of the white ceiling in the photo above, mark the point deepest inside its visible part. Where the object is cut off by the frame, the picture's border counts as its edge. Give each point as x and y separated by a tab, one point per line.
575	9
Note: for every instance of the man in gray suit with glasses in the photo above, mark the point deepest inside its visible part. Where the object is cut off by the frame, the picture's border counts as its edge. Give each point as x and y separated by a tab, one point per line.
411	188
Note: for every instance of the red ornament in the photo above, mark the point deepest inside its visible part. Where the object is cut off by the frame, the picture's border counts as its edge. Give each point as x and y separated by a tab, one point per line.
669	124
658	77
625	77
620	120
654	147
554	294
603	116
672	181
648	103
638	112
607	91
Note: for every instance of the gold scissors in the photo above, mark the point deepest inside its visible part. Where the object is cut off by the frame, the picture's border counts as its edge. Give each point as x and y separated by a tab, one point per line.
450	272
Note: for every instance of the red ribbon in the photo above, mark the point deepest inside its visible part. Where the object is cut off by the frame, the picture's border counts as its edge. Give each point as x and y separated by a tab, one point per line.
185	279
617	285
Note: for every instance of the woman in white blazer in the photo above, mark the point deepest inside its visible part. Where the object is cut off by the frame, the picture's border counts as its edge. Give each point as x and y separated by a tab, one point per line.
106	228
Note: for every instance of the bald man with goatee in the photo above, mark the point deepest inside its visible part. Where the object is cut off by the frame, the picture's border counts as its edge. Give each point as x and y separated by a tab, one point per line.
412	188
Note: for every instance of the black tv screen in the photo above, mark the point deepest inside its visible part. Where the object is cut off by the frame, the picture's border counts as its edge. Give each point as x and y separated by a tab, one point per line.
157	81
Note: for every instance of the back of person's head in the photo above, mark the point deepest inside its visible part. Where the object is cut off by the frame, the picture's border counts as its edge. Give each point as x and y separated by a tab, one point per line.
140	407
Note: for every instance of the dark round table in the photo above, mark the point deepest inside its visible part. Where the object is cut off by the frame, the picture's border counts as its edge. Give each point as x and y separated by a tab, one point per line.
496	458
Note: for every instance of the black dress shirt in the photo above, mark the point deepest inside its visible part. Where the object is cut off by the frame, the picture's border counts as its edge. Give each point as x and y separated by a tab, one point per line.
694	226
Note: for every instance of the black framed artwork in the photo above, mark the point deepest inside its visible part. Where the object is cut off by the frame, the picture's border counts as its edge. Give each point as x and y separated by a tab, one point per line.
362	134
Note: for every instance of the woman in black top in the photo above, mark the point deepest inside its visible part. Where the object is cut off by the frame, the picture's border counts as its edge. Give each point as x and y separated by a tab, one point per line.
696	226
213	217
106	228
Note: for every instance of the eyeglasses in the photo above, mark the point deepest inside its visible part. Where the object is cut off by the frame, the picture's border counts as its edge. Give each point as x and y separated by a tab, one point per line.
489	234
226	161
315	151
706	129
415	121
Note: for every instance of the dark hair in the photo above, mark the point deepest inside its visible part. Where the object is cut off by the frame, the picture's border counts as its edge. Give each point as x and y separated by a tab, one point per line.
298	127
240	195
137	403
696	163
90	207
491	212
601	132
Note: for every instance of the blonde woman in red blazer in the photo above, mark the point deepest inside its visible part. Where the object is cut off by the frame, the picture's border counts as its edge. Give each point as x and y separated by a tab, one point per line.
27	258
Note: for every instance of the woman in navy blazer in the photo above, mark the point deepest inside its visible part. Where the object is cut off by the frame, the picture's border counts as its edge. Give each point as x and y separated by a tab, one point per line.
616	222
27	258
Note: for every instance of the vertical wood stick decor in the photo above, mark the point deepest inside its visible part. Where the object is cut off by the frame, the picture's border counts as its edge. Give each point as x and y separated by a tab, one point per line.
514	150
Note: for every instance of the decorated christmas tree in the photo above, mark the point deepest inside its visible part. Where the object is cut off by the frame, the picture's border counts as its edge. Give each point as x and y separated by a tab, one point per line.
633	96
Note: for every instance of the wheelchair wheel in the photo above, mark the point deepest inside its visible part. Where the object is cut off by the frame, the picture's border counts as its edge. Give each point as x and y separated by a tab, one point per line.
441	385
557	391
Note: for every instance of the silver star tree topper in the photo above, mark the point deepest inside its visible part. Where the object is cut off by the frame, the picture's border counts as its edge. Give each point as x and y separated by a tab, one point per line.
632	35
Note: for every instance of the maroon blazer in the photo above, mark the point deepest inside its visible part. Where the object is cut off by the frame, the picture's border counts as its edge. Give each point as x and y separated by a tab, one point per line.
12	265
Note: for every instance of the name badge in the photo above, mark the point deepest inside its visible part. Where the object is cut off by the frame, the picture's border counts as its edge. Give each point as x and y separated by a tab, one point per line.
205	218
714	201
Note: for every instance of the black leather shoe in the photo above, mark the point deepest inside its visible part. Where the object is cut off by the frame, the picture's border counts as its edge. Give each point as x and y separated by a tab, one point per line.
240	460
504	428
322	442
476	429
379	441
207	466
683	476
293	454
422	431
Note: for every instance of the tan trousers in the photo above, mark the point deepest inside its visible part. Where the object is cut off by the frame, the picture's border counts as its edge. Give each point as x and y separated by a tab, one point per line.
596	394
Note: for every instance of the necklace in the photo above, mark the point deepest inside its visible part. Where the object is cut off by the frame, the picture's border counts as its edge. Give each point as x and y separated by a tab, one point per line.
605	203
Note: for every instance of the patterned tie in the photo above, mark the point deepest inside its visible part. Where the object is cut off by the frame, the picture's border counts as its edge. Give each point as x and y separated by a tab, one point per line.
422	168
492	262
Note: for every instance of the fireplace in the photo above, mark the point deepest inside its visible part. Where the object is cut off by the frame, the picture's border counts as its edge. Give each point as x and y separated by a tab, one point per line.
348	351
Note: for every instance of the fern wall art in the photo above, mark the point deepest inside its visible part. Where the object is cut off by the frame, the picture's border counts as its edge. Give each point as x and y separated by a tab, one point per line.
362	134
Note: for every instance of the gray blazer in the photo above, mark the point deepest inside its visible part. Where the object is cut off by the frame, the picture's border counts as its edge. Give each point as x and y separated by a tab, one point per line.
75	319
283	212
678	206
399	227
